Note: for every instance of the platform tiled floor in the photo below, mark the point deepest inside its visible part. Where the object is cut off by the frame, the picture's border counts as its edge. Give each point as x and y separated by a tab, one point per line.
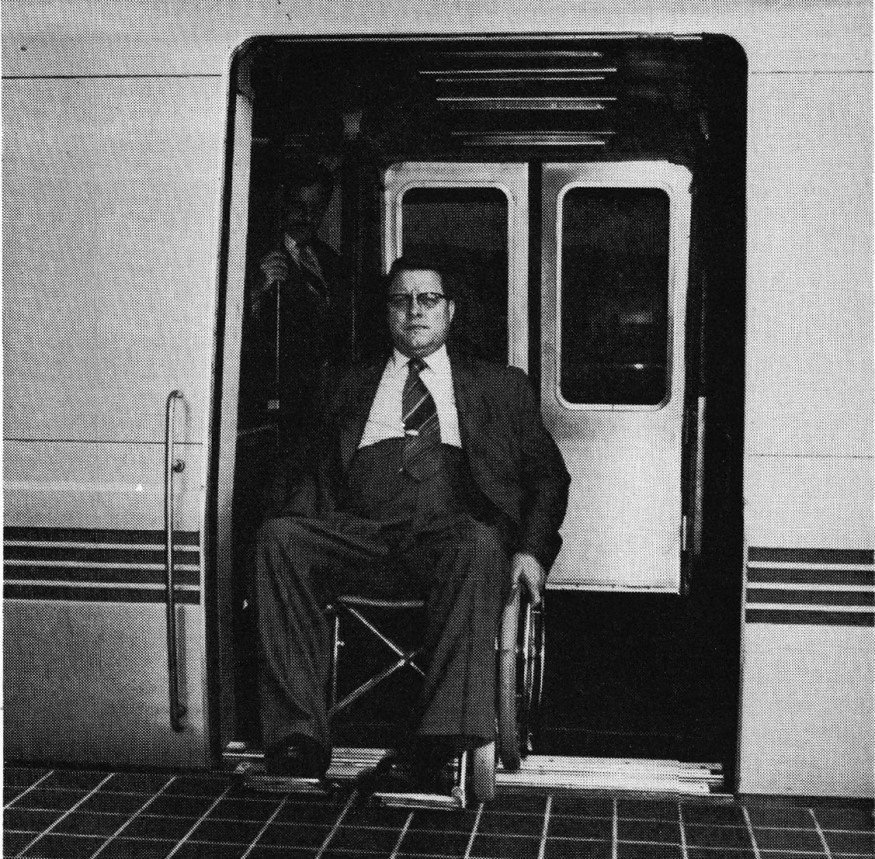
75	813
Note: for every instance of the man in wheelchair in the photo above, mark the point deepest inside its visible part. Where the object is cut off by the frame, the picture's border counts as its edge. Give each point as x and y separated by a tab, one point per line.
433	478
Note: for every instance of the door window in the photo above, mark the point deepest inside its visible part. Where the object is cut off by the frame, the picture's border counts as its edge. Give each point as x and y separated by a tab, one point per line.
614	340
474	217
467	227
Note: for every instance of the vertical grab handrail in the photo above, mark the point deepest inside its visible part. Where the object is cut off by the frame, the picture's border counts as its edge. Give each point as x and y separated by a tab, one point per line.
171	466
699	487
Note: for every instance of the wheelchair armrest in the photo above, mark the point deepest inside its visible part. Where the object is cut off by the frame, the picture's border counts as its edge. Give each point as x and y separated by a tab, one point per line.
375	602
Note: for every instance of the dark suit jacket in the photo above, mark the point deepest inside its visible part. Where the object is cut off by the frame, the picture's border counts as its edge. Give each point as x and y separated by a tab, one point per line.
313	332
313	323
513	460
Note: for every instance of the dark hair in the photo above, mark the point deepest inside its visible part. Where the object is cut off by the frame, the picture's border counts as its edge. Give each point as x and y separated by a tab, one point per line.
423	261
295	176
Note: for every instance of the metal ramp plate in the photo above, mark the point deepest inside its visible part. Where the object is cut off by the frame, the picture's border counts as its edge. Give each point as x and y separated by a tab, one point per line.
347	764
538	774
545	773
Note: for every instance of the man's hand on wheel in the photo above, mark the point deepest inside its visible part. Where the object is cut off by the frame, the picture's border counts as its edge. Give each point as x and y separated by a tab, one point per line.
527	569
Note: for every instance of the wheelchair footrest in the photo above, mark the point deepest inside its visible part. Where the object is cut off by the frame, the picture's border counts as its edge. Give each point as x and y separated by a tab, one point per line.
255	778
421	800
347	766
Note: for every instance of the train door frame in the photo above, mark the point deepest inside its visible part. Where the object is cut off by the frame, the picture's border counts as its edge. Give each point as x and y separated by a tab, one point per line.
222	653
232	308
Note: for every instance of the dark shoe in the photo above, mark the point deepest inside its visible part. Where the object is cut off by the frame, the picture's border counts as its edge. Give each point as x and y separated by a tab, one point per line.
398	772
298	756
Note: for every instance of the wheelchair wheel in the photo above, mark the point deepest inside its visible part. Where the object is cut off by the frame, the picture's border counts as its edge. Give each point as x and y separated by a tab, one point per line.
481	785
520	679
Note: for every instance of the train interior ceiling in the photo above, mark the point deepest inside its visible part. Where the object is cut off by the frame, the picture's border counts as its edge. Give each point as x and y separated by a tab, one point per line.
648	672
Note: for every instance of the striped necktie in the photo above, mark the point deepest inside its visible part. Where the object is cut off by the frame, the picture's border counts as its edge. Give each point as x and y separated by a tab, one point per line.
308	263
422	432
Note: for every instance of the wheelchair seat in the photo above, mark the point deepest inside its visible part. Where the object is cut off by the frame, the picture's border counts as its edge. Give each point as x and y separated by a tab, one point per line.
519	650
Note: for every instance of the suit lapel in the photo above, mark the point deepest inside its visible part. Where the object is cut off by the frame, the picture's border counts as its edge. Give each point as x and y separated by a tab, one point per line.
469	400
352	423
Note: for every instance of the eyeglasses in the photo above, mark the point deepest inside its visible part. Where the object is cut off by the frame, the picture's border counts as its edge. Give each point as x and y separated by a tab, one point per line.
427	300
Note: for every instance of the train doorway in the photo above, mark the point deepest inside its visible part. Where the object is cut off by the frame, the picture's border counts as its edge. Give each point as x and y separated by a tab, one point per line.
592	192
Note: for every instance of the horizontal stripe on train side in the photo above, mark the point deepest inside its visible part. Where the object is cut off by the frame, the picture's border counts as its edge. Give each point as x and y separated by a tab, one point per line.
806	587
98	565
98	536
781	595
97	575
791	576
13	551
65	593
812	556
806	618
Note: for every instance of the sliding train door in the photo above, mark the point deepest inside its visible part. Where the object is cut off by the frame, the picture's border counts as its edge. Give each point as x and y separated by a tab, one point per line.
614	283
615	256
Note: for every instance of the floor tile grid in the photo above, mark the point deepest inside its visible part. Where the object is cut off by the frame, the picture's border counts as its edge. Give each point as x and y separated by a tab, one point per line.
353	797
508	836
108	788
615	830
638	816
399	846
119	833
66	814
547	811
685	853
495	813
401	835
699	851
750	832
820	834
264	828
200	820
27	790
132	817
470	846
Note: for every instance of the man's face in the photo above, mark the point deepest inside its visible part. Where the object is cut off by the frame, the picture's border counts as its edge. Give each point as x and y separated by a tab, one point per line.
416	328
303	211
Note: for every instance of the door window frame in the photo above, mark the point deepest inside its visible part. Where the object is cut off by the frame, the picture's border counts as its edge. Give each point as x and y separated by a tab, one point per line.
673	179
512	179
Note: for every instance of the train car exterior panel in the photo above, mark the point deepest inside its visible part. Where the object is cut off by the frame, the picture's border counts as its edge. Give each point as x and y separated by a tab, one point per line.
807	502
112	190
111	201
103	663
154	38
809	303
807	718
807	640
807	636
85	595
99	485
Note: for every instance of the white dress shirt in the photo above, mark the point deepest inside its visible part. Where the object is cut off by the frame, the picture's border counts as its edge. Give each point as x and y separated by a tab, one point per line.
384	420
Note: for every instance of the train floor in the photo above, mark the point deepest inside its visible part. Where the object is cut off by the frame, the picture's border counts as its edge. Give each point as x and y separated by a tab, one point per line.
147	815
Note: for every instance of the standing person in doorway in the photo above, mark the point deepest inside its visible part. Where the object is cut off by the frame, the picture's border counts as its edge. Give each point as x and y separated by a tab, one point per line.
297	298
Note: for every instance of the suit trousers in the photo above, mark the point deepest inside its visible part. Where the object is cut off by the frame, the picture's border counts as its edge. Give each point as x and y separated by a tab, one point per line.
425	546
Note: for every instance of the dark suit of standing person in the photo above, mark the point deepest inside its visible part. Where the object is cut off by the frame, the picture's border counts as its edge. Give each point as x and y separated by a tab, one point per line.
298	298
436	479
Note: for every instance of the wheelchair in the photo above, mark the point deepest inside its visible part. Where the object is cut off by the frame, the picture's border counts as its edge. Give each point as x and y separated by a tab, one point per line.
520	667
